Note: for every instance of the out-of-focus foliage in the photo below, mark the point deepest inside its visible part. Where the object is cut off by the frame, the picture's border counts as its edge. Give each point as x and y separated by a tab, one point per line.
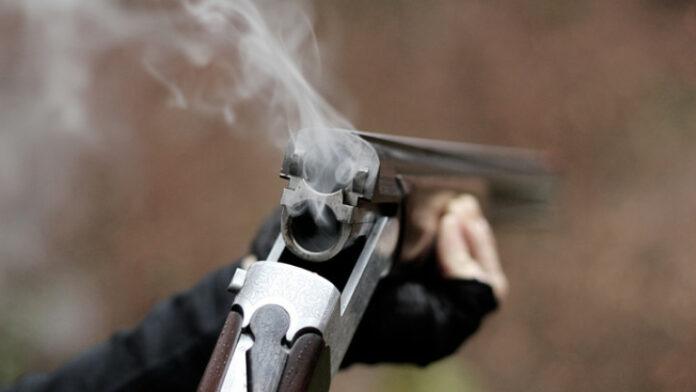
13	354
448	375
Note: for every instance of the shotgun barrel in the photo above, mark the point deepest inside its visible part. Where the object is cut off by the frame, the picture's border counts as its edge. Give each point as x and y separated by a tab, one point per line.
295	313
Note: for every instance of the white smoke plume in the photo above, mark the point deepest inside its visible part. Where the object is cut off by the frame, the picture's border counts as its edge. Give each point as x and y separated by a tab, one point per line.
246	52
222	58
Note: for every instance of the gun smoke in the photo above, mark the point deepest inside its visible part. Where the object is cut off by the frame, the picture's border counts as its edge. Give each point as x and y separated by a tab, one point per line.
46	97
245	62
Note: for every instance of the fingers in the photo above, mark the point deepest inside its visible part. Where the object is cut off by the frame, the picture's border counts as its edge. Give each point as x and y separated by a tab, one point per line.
451	246
466	245
477	231
481	237
453	252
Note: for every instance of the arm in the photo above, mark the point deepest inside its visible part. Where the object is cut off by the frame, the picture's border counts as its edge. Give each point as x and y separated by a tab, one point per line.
419	315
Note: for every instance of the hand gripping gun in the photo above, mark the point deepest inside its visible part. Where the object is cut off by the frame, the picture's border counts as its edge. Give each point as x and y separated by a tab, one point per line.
295	313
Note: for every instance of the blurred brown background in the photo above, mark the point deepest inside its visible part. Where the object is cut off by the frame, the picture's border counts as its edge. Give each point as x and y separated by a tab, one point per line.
600	300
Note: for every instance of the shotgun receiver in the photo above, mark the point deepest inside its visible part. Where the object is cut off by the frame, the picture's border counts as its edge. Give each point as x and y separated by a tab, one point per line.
295	313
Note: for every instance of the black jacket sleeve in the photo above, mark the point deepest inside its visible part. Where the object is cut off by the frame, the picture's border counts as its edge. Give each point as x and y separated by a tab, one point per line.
168	350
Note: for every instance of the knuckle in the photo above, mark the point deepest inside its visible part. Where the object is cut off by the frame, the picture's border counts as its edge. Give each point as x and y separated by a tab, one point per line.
466	205
470	203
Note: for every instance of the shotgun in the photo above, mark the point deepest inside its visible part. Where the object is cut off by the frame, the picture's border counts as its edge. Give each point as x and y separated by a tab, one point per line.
295	313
